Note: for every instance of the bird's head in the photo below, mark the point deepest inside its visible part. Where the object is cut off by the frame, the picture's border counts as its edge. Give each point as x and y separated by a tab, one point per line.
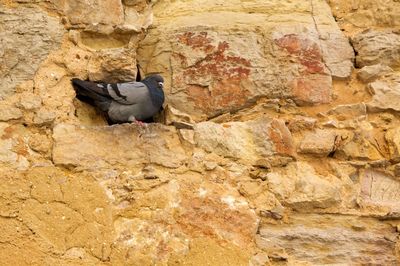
156	79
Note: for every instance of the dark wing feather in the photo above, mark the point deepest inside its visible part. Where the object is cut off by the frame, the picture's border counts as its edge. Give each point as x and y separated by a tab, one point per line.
93	92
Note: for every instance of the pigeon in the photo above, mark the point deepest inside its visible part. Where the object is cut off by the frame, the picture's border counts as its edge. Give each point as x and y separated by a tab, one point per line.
124	102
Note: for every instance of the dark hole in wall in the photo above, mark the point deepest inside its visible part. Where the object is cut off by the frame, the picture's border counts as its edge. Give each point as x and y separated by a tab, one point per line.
138	75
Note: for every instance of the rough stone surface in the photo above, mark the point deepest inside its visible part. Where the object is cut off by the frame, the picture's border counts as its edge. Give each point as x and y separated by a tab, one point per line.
94	12
386	94
366	13
116	146
218	67
349	111
371	73
393	138
319	143
345	242
374	47
248	141
271	150
380	192
9	113
26	38
13	147
360	145
304	189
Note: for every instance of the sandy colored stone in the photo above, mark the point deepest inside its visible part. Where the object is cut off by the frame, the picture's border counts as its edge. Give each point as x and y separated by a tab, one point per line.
373	72
95	12
380	192
40	143
8	112
114	64
300	123
177	118
360	144
247	141
206	251
393	138
136	21
219	218
171	213
13	148
319	143
301	188
377	47
27	36
219	67
314	239
116	146
29	101
386	94
227	191
349	111
43	214
366	13
44	116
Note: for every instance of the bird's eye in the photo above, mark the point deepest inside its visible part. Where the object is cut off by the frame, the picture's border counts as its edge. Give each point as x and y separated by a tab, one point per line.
161	84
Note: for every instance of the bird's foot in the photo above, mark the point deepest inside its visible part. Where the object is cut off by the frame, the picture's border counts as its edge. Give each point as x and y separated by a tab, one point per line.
139	123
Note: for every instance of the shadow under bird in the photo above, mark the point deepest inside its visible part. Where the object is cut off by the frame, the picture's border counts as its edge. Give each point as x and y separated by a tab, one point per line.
124	102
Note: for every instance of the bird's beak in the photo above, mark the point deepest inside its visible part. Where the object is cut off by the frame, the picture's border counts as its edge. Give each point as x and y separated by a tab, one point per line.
161	84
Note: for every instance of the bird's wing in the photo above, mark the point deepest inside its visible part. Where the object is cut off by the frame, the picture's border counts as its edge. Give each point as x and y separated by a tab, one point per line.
90	90
128	93
99	88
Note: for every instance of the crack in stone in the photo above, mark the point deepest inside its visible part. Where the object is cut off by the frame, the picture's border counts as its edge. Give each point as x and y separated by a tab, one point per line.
313	18
319	36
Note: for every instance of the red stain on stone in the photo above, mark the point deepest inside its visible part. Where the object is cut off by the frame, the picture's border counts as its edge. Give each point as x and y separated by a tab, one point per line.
210	217
305	50
20	148
8	133
312	66
312	89
196	41
220	66
314	84
291	43
224	71
181	58
282	138
224	94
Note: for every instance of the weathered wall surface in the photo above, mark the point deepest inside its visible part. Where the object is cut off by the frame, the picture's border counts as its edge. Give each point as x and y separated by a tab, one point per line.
279	146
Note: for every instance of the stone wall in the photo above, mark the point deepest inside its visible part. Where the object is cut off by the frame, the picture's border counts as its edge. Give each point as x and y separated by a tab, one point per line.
279	144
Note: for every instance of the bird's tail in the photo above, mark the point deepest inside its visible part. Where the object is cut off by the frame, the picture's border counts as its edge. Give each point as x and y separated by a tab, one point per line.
87	91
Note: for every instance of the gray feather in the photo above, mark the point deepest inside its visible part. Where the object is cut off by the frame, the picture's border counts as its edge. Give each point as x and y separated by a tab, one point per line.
142	110
128	93
124	102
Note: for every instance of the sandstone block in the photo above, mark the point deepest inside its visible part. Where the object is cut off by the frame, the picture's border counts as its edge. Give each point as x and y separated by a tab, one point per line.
95	12
302	189
379	193
373	72
247	141
386	95
393	139
27	37
8	112
116	146
316	239
320	142
375	47
217	67
349	111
